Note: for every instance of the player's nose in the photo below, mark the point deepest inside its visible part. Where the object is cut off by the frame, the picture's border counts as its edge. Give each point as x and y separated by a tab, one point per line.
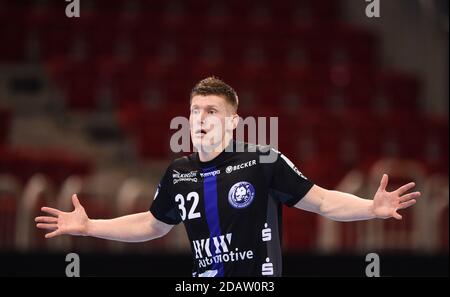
202	119
198	120
203	116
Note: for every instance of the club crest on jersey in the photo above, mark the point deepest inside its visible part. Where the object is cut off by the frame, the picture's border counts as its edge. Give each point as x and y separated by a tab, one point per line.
241	194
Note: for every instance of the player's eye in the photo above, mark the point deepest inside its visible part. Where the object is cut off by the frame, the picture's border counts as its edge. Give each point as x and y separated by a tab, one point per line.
212	111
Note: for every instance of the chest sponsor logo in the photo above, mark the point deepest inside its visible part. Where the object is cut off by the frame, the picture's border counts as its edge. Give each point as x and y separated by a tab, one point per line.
184	177
241	194
232	168
218	249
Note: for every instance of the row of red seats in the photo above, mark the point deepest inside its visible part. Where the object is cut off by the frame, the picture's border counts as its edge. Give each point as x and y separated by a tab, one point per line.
8	212
172	22
347	135
105	31
352	235
318	44
223	51
249	68
300	229
56	163
97	207
39	11
304	236
61	38
338	87
5	122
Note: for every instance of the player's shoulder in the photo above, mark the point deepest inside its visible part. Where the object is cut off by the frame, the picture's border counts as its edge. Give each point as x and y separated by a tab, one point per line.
257	149
265	155
181	162
177	166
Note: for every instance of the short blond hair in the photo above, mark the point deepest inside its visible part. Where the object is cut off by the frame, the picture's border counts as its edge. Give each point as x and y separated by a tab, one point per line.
215	86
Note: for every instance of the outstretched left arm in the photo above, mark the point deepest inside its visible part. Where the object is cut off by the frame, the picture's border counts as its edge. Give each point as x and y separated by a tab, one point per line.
346	207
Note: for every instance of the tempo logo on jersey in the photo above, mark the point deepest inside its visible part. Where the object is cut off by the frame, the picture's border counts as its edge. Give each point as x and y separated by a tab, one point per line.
210	174
241	194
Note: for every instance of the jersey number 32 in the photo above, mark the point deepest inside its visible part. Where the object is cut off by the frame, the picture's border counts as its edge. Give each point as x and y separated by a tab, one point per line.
193	214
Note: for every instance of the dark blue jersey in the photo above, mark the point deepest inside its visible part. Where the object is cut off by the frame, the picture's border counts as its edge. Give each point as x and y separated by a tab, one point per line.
231	208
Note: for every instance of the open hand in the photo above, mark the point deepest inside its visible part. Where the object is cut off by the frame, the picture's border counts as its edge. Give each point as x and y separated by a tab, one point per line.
59	223
386	204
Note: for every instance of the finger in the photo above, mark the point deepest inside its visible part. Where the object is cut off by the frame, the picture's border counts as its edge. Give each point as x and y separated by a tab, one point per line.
51	211
52	234
407	204
384	182
75	201
397	216
47	226
403	189
46	220
409	196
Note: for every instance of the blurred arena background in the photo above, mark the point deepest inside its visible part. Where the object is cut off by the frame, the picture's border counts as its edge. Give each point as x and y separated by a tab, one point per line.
85	107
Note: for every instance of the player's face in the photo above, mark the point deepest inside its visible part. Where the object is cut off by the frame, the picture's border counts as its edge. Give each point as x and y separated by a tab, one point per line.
210	120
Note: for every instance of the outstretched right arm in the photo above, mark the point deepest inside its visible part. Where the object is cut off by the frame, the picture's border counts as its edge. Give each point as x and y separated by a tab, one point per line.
131	228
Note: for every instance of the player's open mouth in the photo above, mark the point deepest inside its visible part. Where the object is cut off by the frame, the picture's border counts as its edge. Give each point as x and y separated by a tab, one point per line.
201	132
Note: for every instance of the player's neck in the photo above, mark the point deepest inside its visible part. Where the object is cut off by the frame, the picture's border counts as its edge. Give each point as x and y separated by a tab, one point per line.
206	156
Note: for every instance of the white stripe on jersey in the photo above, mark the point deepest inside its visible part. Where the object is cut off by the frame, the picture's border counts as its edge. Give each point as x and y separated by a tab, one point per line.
289	162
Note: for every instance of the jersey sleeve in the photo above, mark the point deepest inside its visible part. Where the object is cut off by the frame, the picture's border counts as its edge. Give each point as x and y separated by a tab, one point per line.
287	183
163	206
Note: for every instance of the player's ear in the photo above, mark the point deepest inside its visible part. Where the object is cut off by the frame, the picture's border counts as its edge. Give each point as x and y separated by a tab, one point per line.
235	121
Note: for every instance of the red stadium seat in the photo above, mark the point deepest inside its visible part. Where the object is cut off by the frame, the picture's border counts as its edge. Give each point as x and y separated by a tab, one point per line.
81	93
97	208
8	210
358	46
208	66
300	230
401	90
64	69
129	90
327	10
443	226
160	68
36	194
13	45
434	151
57	164
402	233
151	129
55	42
5	122
358	132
